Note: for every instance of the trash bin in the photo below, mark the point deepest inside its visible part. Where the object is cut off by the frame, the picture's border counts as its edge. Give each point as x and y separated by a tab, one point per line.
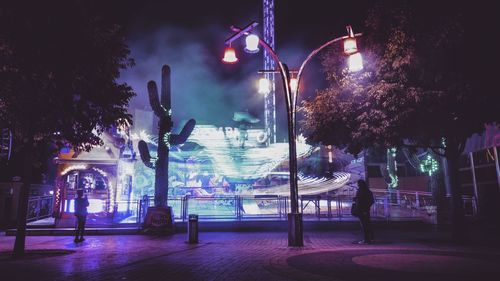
193	229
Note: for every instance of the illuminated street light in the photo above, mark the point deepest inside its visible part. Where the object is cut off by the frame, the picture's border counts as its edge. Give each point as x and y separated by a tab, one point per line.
294	85
355	62
229	56
264	86
350	45
252	44
291	91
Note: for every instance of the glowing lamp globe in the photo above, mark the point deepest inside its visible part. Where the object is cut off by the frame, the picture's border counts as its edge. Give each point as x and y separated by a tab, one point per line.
229	56
350	46
264	86
252	44
355	62
294	83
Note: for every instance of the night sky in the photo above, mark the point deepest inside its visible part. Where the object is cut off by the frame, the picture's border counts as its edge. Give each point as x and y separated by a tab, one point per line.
190	35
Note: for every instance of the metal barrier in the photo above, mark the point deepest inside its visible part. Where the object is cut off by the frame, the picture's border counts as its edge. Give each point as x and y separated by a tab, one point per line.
388	205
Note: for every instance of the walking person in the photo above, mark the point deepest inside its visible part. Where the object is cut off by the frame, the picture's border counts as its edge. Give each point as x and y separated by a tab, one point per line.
81	204
364	200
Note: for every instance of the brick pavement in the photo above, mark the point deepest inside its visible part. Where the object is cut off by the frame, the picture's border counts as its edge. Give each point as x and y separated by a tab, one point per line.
328	255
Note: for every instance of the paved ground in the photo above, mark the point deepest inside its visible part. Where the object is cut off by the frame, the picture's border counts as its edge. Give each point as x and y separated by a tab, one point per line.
327	255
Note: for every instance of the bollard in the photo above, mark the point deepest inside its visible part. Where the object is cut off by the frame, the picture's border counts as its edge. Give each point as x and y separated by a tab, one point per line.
193	229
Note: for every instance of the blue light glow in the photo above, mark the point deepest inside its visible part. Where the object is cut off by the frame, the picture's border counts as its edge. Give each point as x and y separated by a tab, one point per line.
228	160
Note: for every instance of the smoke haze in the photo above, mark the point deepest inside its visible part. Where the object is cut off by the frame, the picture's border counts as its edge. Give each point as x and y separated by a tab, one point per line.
202	86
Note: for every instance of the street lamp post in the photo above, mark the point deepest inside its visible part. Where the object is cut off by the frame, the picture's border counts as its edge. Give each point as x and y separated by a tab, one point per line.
291	91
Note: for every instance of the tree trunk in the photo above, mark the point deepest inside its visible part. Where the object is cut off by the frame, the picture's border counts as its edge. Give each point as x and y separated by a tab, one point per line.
459	230
22	211
439	194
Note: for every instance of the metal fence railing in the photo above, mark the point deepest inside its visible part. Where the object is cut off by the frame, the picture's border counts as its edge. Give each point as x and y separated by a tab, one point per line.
388	205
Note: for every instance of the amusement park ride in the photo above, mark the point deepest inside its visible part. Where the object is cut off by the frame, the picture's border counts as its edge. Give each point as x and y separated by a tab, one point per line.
202	160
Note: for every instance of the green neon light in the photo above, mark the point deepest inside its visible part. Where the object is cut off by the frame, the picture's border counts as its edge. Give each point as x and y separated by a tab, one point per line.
429	165
392	167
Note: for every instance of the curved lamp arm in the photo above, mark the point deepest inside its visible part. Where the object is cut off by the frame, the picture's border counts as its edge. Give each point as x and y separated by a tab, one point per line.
310	56
285	74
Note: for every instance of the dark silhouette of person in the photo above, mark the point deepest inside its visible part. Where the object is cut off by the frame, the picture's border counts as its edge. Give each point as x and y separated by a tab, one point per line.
81	204
364	200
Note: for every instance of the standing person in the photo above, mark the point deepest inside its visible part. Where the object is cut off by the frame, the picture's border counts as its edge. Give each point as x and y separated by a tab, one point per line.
81	205
364	200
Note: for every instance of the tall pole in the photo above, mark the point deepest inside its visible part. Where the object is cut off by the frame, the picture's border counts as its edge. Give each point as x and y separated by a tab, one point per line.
497	167
474	181
295	227
269	64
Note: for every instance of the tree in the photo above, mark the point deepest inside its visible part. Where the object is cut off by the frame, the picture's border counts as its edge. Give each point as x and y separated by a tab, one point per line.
59	61
423	83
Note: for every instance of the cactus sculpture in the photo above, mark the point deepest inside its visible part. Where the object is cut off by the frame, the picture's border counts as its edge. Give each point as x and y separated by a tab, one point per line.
162	108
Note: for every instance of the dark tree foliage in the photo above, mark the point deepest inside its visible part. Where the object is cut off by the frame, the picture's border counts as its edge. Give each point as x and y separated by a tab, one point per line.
428	76
59	61
59	64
